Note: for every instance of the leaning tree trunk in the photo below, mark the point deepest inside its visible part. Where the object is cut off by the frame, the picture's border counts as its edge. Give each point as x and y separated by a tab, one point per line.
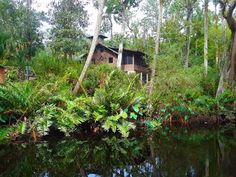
206	37
157	45
93	46
228	75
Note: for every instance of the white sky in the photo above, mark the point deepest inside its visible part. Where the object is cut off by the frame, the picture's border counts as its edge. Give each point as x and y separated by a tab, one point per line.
42	5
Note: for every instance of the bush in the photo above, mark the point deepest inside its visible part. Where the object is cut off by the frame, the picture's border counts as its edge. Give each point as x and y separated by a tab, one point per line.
174	83
227	100
46	65
21	99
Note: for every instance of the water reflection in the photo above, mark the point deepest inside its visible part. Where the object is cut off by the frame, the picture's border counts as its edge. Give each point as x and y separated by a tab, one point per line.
160	154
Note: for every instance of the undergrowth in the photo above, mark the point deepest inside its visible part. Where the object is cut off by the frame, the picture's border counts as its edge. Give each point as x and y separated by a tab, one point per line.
109	99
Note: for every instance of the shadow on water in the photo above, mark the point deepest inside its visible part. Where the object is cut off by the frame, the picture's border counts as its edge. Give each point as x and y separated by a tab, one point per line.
168	153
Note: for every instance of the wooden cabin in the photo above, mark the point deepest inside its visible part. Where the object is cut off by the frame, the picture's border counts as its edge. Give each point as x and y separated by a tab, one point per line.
132	61
3	72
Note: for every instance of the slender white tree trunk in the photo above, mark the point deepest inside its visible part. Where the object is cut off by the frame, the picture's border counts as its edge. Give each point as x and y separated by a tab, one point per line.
216	41
206	37
157	44
223	65
120	53
121	45
186	61
92	48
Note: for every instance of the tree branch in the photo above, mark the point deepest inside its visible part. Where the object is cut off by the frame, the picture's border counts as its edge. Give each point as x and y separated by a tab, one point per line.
229	15
231	9
223	7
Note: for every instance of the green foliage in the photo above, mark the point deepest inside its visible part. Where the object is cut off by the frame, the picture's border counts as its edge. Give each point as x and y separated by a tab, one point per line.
175	83
65	118
111	102
226	100
20	38
68	18
19	100
205	104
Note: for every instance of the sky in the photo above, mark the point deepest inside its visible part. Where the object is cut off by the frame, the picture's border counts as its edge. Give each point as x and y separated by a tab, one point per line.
42	5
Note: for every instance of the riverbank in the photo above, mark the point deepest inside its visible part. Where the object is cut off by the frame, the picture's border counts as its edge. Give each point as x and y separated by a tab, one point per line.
110	100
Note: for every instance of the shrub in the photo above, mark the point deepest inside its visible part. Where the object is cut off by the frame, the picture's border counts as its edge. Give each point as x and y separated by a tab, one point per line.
20	99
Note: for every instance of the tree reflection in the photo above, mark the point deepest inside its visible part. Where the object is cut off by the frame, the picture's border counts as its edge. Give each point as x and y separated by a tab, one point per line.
156	154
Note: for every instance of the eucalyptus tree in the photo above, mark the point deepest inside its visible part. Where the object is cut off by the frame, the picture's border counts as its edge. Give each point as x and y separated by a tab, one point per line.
189	5
228	74
215	3
107	25
206	36
120	10
93	46
68	20
151	13
157	44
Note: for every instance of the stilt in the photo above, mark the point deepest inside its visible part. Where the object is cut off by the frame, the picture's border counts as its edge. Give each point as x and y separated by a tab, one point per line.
141	77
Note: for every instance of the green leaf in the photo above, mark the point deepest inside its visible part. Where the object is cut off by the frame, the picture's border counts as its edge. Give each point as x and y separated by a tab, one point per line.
186	117
126	110
97	116
22	128
133	116
153	124
136	108
163	110
124	115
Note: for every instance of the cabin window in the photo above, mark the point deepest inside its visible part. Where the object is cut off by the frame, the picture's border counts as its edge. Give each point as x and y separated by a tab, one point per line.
128	59
110	59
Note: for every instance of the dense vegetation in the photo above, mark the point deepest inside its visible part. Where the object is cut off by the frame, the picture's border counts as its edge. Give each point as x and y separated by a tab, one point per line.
109	100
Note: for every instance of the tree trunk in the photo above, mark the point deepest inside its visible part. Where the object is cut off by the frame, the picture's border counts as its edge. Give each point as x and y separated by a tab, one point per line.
223	66
93	46
111	30
227	78
29	31
188	33
70	56
232	67
121	45
157	44
206	37
120	53
207	164
216	41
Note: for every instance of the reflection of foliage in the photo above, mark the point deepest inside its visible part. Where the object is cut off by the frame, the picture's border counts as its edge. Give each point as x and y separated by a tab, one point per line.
109	156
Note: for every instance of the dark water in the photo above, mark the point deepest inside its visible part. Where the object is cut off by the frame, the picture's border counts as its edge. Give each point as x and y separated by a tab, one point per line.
166	153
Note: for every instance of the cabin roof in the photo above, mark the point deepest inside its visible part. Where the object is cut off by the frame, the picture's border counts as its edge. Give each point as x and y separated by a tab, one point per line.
108	48
99	36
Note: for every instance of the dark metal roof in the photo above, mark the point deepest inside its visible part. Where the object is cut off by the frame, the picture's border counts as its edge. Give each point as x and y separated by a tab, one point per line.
108	48
99	36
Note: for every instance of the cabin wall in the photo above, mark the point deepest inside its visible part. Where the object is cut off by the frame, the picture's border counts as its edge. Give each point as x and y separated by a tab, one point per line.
100	57
127	67
140	69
